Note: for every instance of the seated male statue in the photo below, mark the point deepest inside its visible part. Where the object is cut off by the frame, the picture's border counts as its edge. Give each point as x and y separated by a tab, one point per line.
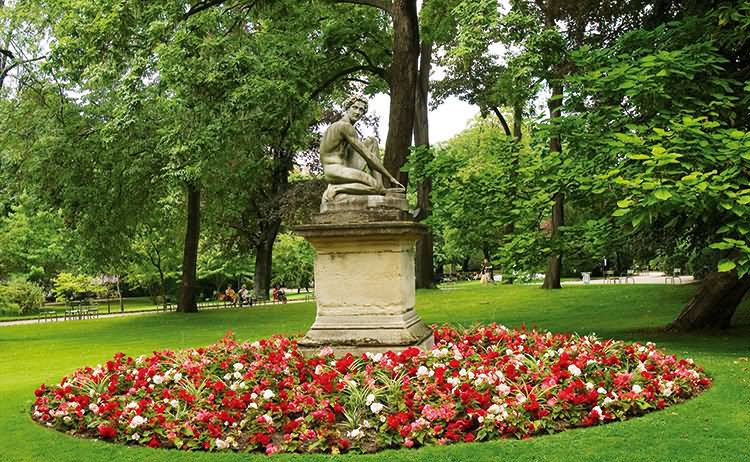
344	155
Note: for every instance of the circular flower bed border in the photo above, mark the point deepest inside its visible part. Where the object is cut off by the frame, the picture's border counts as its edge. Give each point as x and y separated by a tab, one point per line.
483	383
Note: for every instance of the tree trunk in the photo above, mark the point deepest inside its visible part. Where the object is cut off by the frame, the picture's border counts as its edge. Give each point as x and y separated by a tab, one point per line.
119	294
403	74
554	262
188	291
424	250
714	304
163	289
517	122
271	222
263	262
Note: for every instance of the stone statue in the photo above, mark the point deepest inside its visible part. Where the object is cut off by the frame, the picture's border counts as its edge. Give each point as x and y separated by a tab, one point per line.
344	156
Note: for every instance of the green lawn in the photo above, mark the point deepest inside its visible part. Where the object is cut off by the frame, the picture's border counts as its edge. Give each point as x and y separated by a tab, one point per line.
713	427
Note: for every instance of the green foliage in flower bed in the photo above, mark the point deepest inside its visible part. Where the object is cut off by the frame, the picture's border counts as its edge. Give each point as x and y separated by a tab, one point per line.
714	426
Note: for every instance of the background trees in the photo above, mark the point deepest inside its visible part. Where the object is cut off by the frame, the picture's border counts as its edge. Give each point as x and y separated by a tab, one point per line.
148	130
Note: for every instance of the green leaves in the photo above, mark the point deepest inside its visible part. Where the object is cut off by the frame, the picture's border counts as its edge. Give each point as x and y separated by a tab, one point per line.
662	194
726	265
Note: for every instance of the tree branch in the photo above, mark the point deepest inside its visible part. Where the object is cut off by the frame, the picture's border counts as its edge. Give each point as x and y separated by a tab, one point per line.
7	70
200	6
499	115
384	5
343	73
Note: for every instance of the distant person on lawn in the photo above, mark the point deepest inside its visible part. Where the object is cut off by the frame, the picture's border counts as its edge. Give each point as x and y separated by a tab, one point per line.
230	295
245	296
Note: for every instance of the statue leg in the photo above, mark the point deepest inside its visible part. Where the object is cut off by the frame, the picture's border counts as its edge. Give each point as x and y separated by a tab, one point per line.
348	180
371	144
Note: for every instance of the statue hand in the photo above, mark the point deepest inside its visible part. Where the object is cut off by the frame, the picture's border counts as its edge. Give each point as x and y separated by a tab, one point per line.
396	183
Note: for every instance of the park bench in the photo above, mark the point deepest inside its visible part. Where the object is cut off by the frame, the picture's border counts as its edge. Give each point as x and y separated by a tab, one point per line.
47	315
609	277
670	278
628	275
82	310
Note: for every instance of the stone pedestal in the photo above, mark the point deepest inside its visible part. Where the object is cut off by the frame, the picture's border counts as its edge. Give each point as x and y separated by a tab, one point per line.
364	282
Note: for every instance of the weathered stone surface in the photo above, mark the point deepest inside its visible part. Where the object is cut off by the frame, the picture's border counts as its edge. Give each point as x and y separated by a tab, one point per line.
393	199
364	284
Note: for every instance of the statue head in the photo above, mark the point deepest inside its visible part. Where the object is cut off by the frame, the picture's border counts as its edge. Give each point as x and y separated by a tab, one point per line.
357	97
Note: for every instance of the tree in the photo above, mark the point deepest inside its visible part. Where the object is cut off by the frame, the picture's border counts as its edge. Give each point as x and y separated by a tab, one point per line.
293	262
671	153
472	177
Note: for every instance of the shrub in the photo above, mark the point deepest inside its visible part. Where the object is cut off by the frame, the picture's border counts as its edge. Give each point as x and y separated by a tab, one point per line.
20	297
76	287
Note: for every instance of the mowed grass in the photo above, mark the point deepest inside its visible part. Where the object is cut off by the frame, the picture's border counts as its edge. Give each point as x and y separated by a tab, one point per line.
712	427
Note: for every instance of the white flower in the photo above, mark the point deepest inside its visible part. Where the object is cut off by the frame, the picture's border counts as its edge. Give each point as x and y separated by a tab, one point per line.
637	388
574	370
370	399
132	405
253	406
237	375
135	436
366	423
177	376
319	369
67	419
440	352
503	389
601	391
268	394
376	407
174	403
589	386
221	444
267	419
137	421
238	366
521	398
377	357
598	411
354	434
422	371
227	376
494	409
93	408
157	379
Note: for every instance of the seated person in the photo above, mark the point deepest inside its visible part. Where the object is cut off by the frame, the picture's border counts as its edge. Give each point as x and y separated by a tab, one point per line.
344	156
230	295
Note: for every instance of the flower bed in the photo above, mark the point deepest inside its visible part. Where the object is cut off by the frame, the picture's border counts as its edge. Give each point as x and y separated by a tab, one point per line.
484	383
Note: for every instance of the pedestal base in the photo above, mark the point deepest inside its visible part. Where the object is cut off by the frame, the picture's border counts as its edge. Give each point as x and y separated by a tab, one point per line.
364	287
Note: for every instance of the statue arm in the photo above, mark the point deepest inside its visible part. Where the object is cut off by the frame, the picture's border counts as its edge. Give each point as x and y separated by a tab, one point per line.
373	161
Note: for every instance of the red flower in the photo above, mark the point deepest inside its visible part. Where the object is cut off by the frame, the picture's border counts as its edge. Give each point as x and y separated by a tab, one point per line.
106	432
